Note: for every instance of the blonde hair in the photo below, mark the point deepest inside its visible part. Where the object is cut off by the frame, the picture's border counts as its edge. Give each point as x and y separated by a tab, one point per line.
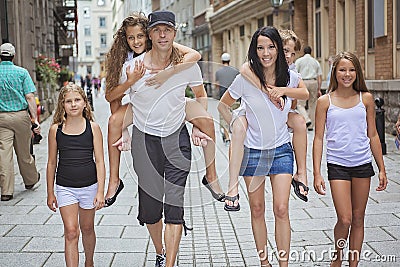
60	115
118	53
287	35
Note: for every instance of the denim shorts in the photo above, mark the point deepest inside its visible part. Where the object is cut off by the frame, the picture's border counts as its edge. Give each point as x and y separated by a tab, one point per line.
338	172
84	196
267	162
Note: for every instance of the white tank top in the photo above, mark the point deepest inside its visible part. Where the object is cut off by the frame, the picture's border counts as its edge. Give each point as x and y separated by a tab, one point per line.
346	135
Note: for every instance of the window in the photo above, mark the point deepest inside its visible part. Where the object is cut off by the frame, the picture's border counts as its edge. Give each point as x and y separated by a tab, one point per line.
103	40
87	30
229	35
88	48
241	30
86	12
398	20
318	34
371	24
260	23
102	22
270	20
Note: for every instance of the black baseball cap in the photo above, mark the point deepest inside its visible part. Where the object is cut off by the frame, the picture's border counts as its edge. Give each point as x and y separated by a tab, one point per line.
161	17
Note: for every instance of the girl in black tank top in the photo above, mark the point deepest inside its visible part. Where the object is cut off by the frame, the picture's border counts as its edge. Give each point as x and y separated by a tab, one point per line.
80	177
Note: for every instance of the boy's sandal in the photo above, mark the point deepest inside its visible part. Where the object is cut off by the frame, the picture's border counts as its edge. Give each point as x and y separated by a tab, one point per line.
233	207
296	189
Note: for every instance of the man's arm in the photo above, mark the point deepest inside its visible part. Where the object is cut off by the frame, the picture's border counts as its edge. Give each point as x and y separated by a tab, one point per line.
319	80
30	98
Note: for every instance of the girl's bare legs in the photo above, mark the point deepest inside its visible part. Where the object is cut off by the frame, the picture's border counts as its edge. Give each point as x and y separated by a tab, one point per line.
86	223
115	124
69	215
280	192
255	189
359	195
199	117
341	195
350	200
236	148
298	124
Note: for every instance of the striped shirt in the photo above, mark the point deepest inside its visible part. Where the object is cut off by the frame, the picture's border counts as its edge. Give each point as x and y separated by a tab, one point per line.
15	83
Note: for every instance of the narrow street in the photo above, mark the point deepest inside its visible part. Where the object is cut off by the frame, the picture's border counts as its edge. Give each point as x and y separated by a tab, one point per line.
31	235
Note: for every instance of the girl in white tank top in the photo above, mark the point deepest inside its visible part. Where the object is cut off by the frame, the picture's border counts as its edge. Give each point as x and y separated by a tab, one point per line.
348	113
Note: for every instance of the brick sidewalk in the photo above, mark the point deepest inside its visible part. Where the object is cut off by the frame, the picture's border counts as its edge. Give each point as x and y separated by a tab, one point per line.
31	235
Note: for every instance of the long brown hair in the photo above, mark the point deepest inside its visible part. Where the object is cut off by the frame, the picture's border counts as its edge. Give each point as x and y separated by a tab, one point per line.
118	53
60	115
359	84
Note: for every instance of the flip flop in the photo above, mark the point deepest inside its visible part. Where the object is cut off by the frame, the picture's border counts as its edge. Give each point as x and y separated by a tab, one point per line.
233	207
296	189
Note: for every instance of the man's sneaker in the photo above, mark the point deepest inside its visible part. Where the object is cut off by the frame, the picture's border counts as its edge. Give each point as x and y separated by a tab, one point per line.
160	260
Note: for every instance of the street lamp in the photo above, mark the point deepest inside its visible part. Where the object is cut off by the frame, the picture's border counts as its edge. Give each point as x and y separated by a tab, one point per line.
276	4
184	27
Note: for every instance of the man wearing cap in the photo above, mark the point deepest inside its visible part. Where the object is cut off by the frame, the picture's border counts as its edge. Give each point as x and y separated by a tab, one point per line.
223	79
16	98
161	148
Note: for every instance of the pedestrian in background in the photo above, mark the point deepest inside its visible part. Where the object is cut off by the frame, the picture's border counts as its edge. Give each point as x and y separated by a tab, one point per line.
74	139
348	114
311	73
223	79
268	150
17	101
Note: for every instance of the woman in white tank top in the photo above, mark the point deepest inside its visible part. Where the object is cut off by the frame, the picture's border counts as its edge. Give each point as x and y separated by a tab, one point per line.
348	113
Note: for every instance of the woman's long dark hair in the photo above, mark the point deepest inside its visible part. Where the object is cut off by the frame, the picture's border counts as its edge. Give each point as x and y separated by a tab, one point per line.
281	68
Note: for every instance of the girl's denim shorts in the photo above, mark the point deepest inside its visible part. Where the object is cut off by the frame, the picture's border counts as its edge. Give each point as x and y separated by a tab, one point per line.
258	162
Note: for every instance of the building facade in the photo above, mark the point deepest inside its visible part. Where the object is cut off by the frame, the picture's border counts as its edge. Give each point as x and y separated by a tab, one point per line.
40	27
95	36
370	29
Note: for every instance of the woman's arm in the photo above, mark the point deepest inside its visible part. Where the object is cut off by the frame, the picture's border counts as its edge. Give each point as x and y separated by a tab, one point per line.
320	120
51	167
300	92
132	77
375	143
224	105
100	167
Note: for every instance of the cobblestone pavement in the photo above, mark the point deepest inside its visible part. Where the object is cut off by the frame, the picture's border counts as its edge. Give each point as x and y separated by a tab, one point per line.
31	235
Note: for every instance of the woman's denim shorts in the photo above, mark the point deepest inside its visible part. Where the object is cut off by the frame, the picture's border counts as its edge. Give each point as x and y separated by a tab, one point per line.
267	162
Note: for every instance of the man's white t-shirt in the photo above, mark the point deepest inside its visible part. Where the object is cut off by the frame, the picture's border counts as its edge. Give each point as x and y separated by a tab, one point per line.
267	128
160	111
